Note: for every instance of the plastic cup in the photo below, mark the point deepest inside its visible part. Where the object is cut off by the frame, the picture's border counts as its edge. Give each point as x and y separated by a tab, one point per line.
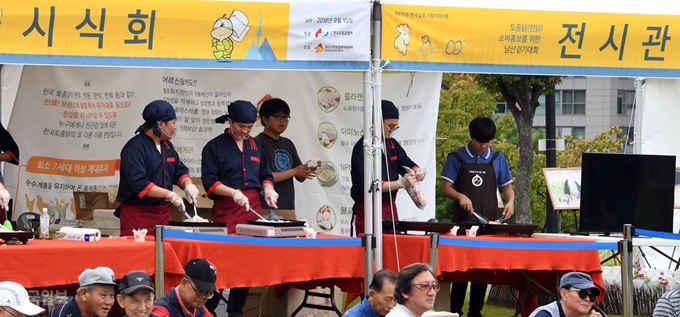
140	235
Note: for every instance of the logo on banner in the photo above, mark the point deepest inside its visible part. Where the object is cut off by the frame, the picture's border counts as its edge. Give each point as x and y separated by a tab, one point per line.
225	31
320	33
477	181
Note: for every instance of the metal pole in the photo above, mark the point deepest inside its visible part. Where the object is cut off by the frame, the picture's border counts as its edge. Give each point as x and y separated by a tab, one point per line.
368	202
434	250
377	139
160	263
550	155
626	250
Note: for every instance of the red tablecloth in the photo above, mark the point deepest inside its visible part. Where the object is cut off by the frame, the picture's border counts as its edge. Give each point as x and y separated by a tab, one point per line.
42	263
496	265
254	261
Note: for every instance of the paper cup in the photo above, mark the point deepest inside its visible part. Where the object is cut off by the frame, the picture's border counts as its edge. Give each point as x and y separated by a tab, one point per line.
140	235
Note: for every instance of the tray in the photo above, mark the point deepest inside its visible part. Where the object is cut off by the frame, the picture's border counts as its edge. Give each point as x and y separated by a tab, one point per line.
403	226
284	223
514	229
22	236
196	224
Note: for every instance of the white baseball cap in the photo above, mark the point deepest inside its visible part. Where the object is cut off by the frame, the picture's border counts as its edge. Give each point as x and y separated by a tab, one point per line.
15	296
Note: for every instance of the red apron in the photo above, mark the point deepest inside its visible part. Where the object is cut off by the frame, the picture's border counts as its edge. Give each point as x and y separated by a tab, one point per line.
359	214
226	210
143	217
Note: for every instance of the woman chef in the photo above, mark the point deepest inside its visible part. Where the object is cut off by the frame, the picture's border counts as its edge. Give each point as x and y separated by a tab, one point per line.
149	167
9	153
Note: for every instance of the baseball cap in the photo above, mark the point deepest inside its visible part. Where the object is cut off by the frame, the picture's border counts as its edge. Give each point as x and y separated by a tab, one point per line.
100	275
134	281
15	296
202	273
579	280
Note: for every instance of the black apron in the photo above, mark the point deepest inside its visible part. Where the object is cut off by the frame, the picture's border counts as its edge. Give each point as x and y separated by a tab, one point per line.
478	183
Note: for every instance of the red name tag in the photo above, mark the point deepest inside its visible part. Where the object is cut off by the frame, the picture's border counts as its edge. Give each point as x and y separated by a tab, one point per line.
393	158
255	159
171	159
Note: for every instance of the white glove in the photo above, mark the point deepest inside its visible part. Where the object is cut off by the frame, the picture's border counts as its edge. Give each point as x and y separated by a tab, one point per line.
4	198
271	197
191	191
174	199
405	181
420	174
240	199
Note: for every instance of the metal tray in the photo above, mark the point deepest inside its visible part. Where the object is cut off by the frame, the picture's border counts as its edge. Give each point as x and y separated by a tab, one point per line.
196	224
283	223
404	226
513	229
22	236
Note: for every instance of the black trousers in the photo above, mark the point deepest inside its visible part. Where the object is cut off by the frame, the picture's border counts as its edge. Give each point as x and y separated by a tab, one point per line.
237	300
477	294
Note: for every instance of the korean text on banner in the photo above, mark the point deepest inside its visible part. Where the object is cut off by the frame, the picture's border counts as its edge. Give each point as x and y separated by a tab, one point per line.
205	34
550	42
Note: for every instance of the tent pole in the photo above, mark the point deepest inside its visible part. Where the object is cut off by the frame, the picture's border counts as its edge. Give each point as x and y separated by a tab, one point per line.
378	141
368	241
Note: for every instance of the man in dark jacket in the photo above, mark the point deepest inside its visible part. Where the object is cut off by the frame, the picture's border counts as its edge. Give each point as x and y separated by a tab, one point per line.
189	297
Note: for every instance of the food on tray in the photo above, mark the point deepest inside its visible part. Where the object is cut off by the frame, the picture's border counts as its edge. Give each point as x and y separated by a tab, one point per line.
272	220
196	218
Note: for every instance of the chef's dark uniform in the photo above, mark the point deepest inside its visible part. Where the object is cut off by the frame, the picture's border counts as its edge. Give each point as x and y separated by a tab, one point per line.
9	146
143	166
396	157
223	162
477	177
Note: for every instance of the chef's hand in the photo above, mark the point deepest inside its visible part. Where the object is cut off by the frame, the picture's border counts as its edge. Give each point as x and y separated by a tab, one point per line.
508	210
420	173
271	196
465	203
240	199
191	191
406	180
4	197
174	199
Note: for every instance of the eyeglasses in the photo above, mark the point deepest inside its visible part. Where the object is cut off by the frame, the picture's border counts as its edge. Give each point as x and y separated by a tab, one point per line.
427	287
11	313
582	294
281	117
393	127
200	293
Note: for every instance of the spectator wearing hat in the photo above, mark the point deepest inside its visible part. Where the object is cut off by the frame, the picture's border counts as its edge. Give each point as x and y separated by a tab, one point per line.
576	298
136	294
14	301
393	159
94	297
149	166
189	297
282	156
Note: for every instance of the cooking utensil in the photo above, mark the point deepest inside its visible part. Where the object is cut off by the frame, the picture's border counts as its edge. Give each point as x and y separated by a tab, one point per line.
186	214
501	219
255	212
195	213
273	215
483	220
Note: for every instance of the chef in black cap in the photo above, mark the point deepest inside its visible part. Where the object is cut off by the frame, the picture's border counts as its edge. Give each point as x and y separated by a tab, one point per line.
9	152
149	166
396	159
234	172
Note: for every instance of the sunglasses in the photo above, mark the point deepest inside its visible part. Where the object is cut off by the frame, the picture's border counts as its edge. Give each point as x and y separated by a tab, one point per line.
427	287
582	294
207	294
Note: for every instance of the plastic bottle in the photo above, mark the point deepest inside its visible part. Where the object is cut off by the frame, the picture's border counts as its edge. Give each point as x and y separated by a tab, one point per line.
44	224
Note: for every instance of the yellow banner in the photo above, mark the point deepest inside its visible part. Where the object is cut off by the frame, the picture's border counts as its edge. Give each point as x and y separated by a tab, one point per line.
477	36
219	30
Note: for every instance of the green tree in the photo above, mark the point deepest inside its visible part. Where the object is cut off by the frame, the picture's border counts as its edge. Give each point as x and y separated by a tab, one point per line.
521	94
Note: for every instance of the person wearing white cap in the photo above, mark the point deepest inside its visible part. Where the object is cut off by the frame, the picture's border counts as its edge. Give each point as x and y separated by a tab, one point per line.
14	301
94	297
576	298
136	294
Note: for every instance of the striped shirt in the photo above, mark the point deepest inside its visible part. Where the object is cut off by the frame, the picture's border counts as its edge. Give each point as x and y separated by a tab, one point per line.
668	305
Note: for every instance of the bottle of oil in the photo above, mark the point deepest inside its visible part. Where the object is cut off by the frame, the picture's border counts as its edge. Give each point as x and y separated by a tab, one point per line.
44	224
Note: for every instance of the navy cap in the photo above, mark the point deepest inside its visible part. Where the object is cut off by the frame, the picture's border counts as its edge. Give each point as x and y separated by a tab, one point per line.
240	111
134	281
389	110
579	280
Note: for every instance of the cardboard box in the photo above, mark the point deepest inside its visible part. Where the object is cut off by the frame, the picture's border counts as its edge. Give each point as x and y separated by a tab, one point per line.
87	202
263	302
295	297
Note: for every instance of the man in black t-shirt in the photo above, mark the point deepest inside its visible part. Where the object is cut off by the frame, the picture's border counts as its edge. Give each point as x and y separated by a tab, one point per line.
281	154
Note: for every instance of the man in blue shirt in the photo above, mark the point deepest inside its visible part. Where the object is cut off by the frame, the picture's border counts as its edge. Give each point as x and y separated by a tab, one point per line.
470	177
380	299
94	297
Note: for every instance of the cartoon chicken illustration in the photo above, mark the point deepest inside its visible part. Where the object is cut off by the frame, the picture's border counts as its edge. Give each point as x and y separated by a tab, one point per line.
221	38
426	48
403	39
